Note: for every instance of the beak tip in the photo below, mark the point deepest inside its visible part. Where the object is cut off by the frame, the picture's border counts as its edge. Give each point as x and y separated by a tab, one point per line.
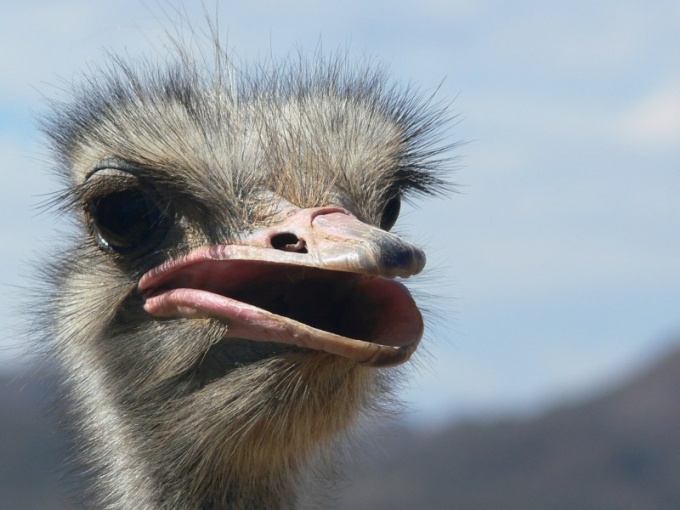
402	260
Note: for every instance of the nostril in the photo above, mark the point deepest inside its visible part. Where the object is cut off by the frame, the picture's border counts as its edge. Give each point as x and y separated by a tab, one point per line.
288	242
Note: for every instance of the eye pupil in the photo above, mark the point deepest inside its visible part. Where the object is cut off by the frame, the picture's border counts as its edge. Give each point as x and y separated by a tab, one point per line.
123	221
390	213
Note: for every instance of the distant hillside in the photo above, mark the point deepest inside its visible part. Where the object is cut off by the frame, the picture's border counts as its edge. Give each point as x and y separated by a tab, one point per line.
31	451
619	451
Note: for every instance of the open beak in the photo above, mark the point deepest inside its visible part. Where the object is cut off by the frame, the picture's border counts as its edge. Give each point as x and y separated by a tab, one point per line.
320	279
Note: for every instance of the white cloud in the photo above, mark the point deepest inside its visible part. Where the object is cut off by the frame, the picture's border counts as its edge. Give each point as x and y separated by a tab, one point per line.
654	122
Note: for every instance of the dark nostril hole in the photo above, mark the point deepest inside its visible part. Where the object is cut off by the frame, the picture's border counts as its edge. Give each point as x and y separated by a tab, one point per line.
288	242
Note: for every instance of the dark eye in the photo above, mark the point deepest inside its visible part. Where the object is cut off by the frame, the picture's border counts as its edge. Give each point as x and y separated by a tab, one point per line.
390	213
126	221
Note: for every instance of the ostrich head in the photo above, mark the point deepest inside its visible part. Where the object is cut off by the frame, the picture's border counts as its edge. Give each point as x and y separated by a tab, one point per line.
230	301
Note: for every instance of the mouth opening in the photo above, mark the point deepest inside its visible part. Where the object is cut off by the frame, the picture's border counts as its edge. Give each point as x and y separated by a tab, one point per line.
321	299
334	311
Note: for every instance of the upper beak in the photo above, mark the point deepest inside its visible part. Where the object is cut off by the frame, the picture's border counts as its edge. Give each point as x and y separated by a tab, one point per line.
332	238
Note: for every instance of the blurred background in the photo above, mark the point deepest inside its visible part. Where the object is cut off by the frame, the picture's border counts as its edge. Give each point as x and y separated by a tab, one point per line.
551	374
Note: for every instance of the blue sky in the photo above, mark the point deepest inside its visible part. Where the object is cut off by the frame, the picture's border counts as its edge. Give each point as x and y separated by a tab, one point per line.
553	271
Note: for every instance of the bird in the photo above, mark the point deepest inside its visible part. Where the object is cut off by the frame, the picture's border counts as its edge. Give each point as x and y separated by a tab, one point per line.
232	297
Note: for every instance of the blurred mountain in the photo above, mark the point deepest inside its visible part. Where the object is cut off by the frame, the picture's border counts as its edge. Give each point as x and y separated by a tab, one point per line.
617	451
32	451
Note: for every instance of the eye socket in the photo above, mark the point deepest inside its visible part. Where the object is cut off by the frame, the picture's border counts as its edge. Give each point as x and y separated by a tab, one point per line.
390	213
126	221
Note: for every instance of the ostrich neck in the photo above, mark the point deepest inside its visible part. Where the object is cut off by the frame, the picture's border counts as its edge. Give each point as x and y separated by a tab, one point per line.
175	465
240	442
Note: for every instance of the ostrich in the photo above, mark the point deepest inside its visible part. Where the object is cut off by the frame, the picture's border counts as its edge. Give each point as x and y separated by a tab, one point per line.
230	304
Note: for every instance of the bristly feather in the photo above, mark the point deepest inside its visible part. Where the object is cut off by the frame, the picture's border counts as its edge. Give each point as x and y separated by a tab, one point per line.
172	418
